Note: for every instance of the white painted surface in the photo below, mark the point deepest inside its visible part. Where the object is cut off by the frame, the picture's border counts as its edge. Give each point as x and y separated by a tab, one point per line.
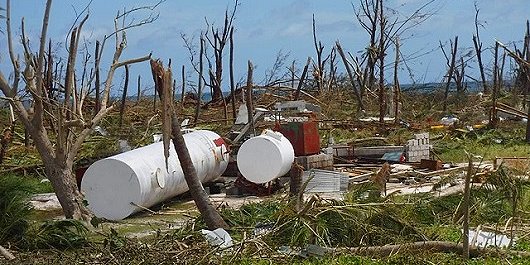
265	157
115	186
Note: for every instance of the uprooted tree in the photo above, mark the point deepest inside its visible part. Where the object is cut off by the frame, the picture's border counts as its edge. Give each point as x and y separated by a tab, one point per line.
58	121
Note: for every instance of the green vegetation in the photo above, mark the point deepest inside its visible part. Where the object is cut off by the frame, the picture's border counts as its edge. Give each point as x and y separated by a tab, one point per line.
364	218
14	207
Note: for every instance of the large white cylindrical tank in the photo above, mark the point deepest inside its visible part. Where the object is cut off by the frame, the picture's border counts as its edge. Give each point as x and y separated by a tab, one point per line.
265	157
121	185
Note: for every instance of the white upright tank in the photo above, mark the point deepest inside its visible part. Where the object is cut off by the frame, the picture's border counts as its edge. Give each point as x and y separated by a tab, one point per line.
121	185
265	157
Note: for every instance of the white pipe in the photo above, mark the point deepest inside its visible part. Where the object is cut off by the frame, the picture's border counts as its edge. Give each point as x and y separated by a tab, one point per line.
121	185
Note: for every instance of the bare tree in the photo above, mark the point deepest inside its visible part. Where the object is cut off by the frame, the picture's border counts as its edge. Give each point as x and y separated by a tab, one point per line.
383	25
522	58
450	71
478	50
318	70
218	38
59	147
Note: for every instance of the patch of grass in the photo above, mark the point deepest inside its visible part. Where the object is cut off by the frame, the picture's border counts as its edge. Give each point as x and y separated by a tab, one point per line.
57	234
502	142
14	207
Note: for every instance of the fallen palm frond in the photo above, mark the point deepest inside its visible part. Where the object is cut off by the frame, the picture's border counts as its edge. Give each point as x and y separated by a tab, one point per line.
325	222
57	234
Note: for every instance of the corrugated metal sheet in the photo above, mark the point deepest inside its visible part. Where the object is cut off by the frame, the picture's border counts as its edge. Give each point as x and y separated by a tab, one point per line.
320	181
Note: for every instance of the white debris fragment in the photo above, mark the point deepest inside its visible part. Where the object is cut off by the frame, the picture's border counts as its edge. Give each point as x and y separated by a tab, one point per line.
218	237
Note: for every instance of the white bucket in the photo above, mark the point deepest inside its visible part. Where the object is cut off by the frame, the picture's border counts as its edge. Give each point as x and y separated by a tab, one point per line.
121	185
266	157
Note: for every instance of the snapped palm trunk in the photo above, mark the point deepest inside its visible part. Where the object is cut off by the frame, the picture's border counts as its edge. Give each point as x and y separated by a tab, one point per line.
171	127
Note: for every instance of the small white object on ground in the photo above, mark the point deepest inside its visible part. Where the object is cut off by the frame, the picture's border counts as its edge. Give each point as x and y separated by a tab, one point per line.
218	237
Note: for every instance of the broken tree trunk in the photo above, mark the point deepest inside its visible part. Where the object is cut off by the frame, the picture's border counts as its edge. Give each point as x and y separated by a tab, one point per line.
478	50
526	68
124	95
295	184
381	57
98	80
209	213
493	114
250	108
427	246
358	95
302	79
465	206
318	73
397	89
7	136
450	72
183	91
200	84
232	79
139	92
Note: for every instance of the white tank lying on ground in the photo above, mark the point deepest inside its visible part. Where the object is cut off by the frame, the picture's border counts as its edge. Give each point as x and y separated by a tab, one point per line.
265	157
118	186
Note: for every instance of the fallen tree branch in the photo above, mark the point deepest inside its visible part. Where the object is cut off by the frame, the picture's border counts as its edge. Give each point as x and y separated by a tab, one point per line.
6	253
431	246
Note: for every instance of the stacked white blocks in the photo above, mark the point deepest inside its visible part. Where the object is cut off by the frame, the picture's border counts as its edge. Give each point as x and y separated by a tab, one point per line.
418	148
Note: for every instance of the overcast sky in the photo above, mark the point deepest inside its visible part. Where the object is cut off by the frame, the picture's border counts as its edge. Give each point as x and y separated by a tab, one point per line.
264	28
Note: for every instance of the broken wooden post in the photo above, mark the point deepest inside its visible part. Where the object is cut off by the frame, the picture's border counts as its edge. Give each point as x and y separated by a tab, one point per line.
465	206
295	179
493	114
124	95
